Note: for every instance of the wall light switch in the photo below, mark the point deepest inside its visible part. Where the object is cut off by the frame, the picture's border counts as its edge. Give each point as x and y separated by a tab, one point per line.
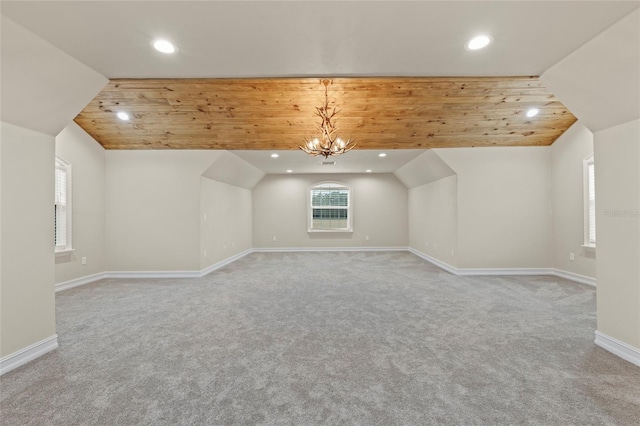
84	260
572	256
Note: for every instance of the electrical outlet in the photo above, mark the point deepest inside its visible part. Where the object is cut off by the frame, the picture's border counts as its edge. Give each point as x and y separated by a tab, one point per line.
204	254
572	256
274	238
84	260
366	237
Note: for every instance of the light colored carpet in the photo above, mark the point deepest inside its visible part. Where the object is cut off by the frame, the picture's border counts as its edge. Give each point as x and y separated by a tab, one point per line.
325	339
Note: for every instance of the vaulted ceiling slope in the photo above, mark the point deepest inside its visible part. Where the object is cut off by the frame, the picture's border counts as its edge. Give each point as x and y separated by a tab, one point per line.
379	113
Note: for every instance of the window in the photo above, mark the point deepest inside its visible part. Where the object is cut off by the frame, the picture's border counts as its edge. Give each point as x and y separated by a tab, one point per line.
62	207
330	208
589	203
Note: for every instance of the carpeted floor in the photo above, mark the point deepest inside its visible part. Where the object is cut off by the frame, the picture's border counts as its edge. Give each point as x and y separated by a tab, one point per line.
357	338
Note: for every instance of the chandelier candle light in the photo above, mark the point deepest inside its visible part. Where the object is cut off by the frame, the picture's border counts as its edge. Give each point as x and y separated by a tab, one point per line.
328	143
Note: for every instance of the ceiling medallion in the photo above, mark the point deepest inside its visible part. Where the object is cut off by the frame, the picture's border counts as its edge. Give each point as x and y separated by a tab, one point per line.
328	143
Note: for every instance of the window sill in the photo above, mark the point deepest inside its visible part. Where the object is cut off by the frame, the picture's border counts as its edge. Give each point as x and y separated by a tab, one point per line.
64	252
330	231
589	247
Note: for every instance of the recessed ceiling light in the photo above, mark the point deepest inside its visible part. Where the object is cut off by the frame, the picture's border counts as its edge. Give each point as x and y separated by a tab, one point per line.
382	154
532	112
123	116
368	170
479	42
289	171
274	155
164	46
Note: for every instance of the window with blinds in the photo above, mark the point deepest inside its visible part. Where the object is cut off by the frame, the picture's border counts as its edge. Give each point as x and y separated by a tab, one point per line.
330	208
590	202
62	206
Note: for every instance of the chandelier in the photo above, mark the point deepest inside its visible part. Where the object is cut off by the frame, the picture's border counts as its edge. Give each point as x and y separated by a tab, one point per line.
328	143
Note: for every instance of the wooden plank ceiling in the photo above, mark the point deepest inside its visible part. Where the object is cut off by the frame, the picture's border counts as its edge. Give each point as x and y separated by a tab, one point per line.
278	113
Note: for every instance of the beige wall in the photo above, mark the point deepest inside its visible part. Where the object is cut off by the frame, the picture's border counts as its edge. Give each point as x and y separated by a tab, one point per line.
617	168
153	208
504	206
379	211
87	159
27	274
567	200
225	221
433	219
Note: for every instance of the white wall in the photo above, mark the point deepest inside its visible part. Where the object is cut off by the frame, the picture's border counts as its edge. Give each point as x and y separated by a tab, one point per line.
433	219
567	200
617	168
600	83
504	208
225	221
153	208
27	275
379	211
87	159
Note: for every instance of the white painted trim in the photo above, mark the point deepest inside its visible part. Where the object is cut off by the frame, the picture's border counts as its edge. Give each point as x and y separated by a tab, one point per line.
31	352
148	274
619	348
224	262
440	264
443	265
583	279
152	274
304	249
80	281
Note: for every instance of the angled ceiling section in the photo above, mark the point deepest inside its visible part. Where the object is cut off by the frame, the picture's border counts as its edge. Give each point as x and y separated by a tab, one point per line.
231	169
423	169
600	82
43	88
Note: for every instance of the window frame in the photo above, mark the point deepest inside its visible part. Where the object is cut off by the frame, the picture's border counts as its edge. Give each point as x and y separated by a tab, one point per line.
589	212
349	207
61	164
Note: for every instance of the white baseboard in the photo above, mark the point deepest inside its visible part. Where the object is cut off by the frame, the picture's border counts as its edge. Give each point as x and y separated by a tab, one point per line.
23	356
80	281
305	249
152	274
504	271
224	262
574	277
440	264
616	347
149	274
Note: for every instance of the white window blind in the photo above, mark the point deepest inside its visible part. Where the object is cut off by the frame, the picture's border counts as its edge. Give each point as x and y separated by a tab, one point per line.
591	208
62	206
330	208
